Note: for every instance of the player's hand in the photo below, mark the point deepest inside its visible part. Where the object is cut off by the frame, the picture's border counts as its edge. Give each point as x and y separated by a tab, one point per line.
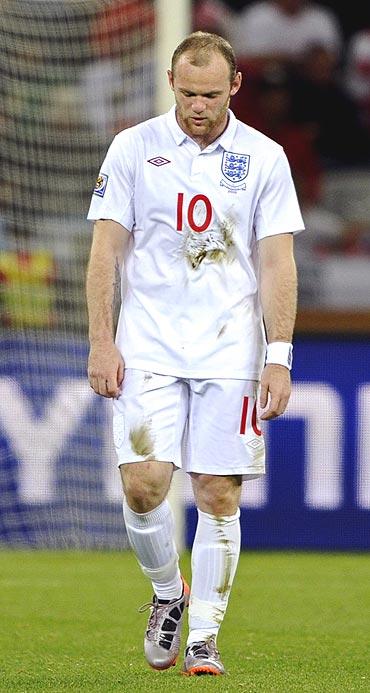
105	369
275	390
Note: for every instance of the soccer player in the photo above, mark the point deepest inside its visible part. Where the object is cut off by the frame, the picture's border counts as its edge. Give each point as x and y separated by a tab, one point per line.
200	211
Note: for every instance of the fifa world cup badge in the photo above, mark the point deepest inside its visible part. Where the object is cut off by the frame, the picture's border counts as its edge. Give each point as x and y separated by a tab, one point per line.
101	184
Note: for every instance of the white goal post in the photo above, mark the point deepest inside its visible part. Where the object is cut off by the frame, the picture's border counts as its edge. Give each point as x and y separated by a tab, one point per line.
173	24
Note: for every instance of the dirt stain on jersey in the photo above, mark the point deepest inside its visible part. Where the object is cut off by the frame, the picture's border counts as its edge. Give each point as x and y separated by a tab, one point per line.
141	441
215	244
227	254
222	331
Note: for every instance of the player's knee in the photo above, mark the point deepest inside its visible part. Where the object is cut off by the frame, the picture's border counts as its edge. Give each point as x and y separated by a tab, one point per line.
218	496
220	505
144	491
144	497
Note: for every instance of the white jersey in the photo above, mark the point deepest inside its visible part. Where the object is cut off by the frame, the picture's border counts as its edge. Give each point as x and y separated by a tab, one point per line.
190	304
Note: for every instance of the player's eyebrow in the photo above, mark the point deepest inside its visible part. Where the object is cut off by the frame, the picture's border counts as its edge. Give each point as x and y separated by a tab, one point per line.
187	92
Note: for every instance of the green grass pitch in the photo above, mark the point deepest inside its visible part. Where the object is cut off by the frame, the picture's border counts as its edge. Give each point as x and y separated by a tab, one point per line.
296	622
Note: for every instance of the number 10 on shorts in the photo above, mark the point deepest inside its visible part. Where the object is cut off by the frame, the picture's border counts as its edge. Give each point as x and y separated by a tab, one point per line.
245	422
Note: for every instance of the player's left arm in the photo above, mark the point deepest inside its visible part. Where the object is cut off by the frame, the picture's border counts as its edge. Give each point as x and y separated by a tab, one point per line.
278	292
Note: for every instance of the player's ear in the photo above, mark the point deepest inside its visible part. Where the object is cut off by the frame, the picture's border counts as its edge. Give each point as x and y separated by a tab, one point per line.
170	78
236	83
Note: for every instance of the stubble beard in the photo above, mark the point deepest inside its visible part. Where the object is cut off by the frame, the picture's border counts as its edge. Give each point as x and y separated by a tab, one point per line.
208	126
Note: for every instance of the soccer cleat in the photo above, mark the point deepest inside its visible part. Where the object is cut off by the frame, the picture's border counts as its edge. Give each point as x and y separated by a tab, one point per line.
203	658
162	637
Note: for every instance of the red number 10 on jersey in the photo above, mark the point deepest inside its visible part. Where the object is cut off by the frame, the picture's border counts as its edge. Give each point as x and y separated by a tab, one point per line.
205	214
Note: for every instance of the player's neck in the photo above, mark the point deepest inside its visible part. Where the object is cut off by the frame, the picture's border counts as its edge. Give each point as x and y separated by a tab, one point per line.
203	141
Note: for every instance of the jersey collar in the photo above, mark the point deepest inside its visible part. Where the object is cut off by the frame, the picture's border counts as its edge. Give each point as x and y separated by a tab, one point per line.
225	140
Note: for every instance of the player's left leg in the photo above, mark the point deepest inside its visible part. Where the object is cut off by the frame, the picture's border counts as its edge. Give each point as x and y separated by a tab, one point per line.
215	558
225	446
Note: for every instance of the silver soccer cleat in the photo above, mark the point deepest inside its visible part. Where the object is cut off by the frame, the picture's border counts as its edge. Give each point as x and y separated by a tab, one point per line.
162	637
203	658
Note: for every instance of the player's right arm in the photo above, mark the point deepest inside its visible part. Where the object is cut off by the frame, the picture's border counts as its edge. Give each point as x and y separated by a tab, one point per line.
105	363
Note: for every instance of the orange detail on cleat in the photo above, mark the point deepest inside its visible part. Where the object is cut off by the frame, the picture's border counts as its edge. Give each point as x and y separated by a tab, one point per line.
203	669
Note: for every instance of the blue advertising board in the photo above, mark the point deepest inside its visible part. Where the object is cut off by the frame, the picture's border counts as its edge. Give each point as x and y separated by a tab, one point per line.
58	479
317	488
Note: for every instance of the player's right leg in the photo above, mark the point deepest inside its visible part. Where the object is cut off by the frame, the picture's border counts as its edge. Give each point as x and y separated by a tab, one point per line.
148	420
151	536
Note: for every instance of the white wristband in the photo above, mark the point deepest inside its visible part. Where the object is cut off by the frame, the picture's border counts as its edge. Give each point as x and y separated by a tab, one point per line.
280	353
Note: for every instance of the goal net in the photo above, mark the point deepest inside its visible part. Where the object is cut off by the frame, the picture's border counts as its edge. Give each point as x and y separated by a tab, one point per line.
72	74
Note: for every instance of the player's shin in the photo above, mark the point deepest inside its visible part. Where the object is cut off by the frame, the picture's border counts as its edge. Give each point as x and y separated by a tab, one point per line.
215	557
151	536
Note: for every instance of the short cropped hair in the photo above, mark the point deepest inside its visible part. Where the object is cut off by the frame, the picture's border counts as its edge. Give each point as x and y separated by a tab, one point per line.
200	45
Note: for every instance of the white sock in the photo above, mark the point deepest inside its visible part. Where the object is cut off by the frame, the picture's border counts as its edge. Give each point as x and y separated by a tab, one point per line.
151	538
214	560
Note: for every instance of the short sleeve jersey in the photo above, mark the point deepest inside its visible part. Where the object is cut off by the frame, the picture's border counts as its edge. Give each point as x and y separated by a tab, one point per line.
190	303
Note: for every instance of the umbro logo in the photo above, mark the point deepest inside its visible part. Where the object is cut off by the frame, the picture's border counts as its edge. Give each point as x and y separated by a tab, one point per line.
254	443
158	161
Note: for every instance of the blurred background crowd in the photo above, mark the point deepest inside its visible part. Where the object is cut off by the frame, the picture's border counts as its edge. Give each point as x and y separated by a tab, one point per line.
76	72
306	69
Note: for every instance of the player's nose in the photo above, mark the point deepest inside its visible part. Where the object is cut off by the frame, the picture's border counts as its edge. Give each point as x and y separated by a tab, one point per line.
198	106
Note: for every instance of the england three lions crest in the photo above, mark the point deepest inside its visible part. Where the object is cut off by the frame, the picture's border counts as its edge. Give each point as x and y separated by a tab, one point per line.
235	168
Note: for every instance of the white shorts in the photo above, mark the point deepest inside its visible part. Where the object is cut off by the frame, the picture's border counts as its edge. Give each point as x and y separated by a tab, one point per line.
205	426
